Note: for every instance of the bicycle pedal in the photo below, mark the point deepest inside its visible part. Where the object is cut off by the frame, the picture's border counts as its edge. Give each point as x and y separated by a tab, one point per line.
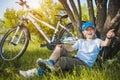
13	43
42	45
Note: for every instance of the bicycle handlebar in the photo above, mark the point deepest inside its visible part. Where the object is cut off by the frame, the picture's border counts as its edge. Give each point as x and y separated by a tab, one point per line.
24	3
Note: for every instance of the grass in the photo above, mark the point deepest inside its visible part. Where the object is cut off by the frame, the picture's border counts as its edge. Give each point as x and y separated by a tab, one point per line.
9	70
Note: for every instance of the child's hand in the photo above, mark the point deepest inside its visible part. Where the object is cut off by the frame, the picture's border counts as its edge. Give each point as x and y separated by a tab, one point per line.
60	45
110	34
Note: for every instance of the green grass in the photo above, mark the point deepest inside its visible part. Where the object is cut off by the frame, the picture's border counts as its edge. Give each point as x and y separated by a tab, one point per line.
9	70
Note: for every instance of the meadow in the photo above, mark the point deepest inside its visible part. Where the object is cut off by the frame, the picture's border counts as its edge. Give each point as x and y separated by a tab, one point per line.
110	69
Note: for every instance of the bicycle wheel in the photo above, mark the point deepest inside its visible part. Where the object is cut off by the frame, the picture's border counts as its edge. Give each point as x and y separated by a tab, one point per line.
68	37
10	50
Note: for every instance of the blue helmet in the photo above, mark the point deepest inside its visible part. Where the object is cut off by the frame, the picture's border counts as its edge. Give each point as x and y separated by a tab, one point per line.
86	25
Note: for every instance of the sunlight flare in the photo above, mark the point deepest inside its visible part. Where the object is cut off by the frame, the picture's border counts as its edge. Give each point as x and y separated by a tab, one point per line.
33	3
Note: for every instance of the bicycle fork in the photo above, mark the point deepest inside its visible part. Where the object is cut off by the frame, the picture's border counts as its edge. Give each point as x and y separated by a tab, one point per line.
67	30
15	39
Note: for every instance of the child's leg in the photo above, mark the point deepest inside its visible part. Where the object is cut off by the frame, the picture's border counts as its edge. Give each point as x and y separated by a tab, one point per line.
68	63
49	63
58	52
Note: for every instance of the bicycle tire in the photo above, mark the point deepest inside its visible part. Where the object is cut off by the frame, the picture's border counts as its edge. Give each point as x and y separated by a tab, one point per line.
65	37
8	56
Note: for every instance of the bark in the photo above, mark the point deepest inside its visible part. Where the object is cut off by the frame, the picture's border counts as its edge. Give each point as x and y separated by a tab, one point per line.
91	11
101	14
74	16
112	11
77	17
105	23
68	10
80	13
113	49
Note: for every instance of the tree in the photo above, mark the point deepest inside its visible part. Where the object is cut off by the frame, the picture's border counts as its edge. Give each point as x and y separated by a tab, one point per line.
91	11
107	17
2	28
11	18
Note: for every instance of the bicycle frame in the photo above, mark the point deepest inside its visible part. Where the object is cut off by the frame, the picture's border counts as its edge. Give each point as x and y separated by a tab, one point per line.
33	19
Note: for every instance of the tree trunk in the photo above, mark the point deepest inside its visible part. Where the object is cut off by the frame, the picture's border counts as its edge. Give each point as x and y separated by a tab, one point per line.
68	10
101	15
112	11
106	21
74	16
113	49
112	21
80	18
91	11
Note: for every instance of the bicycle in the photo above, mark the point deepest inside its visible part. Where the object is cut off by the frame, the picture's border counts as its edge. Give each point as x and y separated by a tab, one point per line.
18	37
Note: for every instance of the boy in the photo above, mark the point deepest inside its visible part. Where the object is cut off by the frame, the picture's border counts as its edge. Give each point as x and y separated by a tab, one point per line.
87	52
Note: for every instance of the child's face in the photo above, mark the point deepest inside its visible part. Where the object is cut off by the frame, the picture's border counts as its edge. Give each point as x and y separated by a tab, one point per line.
89	33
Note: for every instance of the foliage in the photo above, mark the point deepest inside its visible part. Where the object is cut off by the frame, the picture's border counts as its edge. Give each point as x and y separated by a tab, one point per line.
2	27
11	19
9	70
84	13
48	9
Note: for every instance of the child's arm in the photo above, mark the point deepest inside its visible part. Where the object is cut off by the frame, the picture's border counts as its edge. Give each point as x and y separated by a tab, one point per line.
109	35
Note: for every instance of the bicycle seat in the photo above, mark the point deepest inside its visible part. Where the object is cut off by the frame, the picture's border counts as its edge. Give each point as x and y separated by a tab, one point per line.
61	16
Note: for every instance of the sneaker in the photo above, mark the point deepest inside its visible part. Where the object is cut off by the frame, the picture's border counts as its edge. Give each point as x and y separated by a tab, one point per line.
29	73
45	64
41	72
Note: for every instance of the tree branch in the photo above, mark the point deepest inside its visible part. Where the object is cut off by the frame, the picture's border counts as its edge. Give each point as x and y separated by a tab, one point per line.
91	11
115	21
68	10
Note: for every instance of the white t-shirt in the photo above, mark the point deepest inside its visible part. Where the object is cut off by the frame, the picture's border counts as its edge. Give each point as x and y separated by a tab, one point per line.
88	50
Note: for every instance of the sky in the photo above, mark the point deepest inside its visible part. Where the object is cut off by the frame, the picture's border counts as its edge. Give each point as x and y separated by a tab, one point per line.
10	4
